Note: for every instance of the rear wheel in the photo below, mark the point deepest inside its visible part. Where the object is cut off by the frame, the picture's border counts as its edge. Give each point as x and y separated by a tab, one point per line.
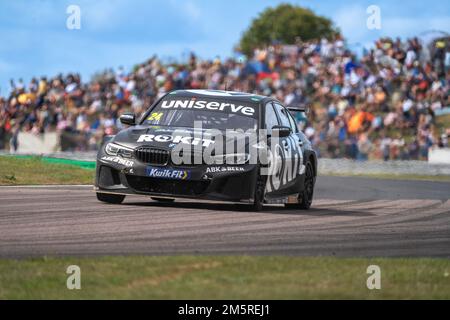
305	196
110	198
162	199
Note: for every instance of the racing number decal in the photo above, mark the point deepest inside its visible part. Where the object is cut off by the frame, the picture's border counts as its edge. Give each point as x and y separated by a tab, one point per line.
155	116
285	163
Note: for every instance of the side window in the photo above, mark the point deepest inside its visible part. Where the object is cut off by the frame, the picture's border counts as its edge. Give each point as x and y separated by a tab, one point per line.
293	122
282	113
271	117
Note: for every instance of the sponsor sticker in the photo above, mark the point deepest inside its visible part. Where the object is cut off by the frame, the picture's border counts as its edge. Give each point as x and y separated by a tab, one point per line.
224	169
164	173
118	160
209	105
285	163
175	140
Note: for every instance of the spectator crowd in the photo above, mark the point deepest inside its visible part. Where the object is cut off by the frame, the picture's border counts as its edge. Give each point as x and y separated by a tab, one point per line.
381	105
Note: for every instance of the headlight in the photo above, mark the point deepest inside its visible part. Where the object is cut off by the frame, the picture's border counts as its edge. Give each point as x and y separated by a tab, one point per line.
113	149
233	158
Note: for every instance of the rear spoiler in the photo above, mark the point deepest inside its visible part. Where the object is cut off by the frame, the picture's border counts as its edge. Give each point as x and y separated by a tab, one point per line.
299	108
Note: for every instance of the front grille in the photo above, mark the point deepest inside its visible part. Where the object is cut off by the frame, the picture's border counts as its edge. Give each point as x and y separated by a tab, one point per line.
152	156
163	186
190	159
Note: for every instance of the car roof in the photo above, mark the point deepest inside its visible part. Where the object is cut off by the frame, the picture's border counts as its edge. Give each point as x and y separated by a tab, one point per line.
221	94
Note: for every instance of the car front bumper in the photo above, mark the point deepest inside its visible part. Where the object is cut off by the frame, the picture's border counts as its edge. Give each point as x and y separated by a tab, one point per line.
207	182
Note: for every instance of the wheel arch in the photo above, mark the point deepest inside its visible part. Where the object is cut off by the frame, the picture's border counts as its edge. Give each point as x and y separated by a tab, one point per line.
311	156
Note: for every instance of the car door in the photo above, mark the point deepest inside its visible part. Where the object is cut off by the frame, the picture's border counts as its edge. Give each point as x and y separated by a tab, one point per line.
285	153
299	143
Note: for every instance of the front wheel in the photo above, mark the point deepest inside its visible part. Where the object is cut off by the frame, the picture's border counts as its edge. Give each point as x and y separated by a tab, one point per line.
260	189
110	198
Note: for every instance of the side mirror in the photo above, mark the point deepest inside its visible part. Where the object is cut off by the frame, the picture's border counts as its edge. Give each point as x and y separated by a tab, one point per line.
128	119
281	131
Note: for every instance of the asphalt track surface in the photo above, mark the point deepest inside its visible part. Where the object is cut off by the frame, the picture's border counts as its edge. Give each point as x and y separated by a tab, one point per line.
350	217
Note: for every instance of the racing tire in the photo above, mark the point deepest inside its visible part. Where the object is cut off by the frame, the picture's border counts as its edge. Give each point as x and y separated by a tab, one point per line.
305	196
110	198
260	188
163	199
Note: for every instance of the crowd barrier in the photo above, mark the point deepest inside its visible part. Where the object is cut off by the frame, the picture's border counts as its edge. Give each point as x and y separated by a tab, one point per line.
439	156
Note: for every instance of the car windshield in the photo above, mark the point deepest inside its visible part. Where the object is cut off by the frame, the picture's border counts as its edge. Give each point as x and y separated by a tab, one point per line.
213	114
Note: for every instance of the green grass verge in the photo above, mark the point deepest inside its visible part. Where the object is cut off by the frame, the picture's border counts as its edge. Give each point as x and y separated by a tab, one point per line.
37	170
224	277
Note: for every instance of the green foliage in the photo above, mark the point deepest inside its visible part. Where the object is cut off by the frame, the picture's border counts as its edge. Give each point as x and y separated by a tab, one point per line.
285	23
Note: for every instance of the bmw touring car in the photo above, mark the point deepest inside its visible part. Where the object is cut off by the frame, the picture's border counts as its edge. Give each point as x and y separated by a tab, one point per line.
209	145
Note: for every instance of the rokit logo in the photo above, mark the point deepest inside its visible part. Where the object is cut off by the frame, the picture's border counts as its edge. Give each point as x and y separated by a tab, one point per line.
284	164
213	105
175	140
167	173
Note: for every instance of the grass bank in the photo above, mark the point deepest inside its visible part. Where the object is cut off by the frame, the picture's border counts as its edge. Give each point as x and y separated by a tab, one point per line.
224	277
37	170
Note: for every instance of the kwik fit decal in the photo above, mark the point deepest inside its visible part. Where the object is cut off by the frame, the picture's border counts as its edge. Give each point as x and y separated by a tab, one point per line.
164	173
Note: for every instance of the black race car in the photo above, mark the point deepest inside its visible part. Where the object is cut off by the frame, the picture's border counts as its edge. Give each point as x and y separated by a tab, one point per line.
209	145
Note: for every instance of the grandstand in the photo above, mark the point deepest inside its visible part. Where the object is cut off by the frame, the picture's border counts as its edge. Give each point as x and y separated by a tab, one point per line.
392	103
